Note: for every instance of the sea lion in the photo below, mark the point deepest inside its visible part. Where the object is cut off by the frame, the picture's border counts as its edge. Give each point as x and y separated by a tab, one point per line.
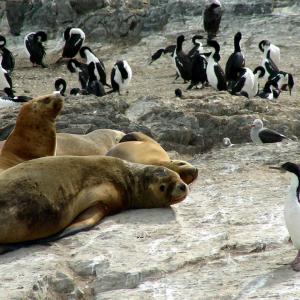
97	142
140	148
42	197
34	134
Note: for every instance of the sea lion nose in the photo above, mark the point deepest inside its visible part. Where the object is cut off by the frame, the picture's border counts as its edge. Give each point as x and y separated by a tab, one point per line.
182	187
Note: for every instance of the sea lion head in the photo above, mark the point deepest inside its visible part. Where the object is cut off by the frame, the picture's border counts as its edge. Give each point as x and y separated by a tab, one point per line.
44	107
159	187
187	172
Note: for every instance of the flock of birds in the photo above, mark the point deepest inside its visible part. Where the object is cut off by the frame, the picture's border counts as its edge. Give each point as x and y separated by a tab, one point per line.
91	74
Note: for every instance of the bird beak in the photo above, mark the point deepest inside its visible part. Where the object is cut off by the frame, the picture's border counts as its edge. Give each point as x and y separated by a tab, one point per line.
252	126
278	169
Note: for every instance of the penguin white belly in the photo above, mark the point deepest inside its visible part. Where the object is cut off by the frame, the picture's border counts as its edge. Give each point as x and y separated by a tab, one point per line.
292	217
211	75
119	80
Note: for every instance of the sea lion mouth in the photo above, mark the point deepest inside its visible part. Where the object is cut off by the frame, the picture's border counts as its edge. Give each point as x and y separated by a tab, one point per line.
177	200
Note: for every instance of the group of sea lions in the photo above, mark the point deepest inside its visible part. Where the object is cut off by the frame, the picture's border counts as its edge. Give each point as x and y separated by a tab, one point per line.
54	185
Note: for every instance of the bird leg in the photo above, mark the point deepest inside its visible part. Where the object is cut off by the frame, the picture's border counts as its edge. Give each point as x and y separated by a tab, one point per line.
296	262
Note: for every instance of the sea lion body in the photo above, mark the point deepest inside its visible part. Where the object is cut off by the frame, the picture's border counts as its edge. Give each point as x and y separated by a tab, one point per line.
140	148
97	142
42	197
34	134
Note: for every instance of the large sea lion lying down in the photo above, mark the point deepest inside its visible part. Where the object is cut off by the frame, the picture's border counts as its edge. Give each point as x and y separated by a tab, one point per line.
140	148
42	197
97	142
34	134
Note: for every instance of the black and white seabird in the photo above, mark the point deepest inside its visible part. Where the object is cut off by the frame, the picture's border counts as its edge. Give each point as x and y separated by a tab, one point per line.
8	61
212	16
235	62
227	142
247	85
6	101
269	92
121	75
5	81
198	47
87	53
94	86
34	45
178	93
268	64
292	209
74	38
157	54
183	62
274	50
60	86
74	66
199	66
261	135
282	81
214	72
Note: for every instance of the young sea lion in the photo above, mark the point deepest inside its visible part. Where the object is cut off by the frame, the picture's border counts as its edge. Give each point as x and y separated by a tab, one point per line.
34	134
41	197
140	148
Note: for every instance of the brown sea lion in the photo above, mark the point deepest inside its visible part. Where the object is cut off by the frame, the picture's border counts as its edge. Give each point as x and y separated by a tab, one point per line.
42	197
140	148
34	134
97	142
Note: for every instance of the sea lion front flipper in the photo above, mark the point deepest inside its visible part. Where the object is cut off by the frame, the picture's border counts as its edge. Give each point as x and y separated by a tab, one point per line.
87	219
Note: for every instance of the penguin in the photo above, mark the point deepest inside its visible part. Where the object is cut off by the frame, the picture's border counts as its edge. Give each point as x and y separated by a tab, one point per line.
214	72
268	64
261	135
87	53
292	209
235	62
94	86
212	15
197	48
8	61
183	62
34	45
5	81
199	66
121	75
247	84
74	38
274	50
60	86
74	66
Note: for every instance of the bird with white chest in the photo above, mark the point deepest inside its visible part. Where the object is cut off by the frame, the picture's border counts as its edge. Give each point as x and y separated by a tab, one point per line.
121	75
292	208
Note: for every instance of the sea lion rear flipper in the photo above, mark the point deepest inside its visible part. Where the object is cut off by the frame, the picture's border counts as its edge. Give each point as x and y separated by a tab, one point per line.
87	219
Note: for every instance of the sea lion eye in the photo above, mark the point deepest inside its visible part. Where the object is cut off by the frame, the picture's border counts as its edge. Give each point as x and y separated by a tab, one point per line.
180	164
162	188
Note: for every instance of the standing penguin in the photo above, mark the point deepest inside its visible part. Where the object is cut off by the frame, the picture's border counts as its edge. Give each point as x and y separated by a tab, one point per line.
199	65
121	75
94	86
74	38
87	53
74	66
34	45
8	61
235	62
183	62
212	16
247	84
274	50
214	72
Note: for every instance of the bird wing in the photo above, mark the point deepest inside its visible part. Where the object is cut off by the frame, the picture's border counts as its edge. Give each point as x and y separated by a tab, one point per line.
235	62
222	85
72	45
270	136
156	55
238	85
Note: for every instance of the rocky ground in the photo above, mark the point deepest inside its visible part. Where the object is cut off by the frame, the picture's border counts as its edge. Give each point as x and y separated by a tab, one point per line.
227	239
